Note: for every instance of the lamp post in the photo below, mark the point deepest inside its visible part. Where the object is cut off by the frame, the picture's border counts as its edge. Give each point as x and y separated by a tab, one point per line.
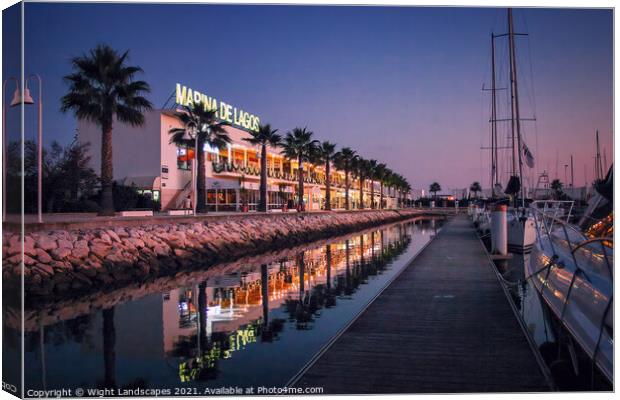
4	141
17	100
39	145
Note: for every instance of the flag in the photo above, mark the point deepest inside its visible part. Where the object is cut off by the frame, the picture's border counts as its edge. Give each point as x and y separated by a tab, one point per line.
529	157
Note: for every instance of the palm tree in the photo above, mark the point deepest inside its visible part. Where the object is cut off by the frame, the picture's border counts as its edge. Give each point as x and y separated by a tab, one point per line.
102	88
344	160
265	136
324	154
371	167
298	144
397	183
406	191
434	188
197	119
402	189
363	171
380	174
388	180
557	187
475	187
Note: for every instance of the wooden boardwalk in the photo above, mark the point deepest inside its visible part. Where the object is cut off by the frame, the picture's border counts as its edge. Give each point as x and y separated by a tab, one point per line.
444	325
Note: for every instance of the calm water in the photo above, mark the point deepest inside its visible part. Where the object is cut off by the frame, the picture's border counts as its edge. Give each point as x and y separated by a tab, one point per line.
553	342
254	325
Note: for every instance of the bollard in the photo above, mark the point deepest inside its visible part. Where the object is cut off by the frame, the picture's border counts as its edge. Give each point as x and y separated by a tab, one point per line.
499	230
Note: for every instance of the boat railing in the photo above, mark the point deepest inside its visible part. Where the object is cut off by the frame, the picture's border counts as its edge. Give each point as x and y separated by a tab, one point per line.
560	209
545	225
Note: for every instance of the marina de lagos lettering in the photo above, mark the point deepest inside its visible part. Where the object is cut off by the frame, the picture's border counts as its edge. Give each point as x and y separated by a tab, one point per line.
237	117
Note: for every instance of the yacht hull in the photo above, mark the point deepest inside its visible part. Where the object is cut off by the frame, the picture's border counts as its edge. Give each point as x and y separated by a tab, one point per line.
521	234
579	292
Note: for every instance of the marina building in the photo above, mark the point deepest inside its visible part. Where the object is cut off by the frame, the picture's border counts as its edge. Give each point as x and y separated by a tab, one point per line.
144	157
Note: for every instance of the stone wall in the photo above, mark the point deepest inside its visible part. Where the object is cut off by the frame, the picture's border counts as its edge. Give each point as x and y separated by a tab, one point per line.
80	260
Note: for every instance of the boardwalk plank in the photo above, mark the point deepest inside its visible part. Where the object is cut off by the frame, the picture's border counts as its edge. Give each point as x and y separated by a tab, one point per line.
443	326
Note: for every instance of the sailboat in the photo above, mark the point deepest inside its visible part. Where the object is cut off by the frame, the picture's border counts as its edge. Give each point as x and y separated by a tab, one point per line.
521	227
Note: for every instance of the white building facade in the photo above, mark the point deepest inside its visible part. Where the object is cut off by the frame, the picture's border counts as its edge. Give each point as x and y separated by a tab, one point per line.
144	157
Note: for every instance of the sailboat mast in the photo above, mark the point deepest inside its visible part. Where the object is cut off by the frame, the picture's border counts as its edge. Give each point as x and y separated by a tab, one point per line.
572	173
494	177
598	167
515	116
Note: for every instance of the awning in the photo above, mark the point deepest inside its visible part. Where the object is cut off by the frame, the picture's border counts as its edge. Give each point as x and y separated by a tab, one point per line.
143	182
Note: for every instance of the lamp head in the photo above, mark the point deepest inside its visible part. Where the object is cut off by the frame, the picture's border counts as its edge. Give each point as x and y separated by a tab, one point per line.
17	98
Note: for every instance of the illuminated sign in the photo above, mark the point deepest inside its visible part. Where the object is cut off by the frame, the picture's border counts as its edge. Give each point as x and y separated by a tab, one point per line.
235	116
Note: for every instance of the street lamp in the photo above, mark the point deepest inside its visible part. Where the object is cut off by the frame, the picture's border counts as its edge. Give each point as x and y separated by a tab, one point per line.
4	141
17	100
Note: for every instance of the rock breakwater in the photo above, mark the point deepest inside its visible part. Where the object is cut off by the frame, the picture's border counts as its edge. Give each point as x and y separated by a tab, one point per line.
87	259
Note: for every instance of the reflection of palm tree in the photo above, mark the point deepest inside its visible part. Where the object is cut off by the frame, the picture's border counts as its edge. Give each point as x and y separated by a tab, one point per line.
302	314
330	299
362	249
372	245
42	350
202	316
264	283
348	286
109	353
267	329
301	265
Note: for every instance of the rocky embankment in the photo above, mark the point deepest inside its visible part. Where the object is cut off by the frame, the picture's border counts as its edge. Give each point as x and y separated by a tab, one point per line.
74	261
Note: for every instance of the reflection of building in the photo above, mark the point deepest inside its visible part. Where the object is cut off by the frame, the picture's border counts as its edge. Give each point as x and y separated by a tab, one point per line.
234	302
143	156
193	328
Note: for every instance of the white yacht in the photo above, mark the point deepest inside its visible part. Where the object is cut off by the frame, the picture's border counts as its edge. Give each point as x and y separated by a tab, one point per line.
571	266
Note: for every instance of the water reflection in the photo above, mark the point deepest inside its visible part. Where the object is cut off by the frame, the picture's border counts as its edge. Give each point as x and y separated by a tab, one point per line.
254	325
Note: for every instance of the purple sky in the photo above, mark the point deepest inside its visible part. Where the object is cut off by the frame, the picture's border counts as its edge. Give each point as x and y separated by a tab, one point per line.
402	85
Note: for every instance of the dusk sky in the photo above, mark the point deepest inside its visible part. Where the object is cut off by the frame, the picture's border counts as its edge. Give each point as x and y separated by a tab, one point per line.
402	85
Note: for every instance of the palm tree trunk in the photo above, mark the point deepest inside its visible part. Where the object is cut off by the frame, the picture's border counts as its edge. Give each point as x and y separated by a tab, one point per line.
109	353
328	187
202	315
372	194
300	186
201	198
381	197
264	280
361	207
107	172
346	188
328	262
262	206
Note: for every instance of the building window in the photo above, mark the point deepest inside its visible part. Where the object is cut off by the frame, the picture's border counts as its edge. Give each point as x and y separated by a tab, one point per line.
184	155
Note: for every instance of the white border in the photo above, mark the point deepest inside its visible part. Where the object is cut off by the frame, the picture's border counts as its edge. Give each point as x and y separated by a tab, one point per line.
480	3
